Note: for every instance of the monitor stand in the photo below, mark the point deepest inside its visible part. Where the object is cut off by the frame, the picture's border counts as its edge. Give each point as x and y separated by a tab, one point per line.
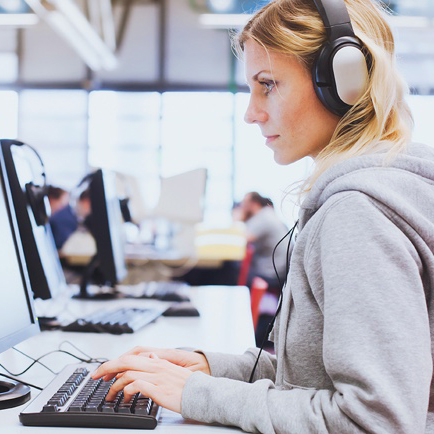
13	394
87	274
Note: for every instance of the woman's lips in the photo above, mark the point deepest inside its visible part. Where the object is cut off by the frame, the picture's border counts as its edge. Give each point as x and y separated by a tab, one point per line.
270	139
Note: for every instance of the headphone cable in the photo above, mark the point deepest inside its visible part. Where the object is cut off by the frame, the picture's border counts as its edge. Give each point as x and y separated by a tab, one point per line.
290	233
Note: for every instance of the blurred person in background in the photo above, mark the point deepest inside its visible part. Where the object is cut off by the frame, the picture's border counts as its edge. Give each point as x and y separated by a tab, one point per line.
264	229
63	220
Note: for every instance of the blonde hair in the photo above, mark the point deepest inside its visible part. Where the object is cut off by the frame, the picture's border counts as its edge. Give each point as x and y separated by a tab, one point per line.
381	119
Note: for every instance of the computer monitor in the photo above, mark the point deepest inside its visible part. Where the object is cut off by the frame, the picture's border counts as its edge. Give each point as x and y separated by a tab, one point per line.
17	318
42	259
105	224
182	197
181	203
130	193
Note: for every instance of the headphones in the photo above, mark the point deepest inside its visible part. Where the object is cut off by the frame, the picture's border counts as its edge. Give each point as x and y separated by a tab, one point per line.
37	195
340	71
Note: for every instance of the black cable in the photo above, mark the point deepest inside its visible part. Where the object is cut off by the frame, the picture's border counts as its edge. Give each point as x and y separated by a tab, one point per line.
287	255
37	361
287	273
20	381
264	339
274	252
271	324
73	346
92	360
59	350
31	358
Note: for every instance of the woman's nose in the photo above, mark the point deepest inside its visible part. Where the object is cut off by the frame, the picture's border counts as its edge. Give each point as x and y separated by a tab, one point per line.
255	113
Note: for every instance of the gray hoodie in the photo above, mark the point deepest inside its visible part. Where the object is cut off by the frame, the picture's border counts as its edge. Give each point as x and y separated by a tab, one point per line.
353	339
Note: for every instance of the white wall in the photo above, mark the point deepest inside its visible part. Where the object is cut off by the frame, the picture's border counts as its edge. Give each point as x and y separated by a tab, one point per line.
138	56
195	55
47	58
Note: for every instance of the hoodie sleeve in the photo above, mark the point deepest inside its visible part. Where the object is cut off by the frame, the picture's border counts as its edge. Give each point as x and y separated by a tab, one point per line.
239	367
365	275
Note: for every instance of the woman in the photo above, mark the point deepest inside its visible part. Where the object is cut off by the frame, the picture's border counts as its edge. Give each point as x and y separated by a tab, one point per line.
352	338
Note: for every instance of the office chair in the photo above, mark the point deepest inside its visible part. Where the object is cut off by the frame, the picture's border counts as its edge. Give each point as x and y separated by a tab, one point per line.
245	265
257	290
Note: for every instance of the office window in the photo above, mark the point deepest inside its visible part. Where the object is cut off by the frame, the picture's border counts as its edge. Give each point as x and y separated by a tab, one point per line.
124	135
8	114
256	170
55	123
422	108
9	69
196	131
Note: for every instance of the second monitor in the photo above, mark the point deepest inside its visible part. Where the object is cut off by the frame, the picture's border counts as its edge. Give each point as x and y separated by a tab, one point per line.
109	264
105	224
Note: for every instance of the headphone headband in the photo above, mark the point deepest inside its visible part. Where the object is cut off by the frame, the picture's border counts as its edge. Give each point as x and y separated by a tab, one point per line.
333	13
340	72
36	194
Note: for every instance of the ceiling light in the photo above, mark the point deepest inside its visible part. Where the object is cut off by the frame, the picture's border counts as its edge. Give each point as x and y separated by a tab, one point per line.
221	6
68	20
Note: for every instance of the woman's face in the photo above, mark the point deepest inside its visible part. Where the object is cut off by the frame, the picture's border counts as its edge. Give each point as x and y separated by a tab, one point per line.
284	105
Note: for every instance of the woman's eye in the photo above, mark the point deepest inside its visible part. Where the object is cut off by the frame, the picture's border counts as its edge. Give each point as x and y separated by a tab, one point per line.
268	86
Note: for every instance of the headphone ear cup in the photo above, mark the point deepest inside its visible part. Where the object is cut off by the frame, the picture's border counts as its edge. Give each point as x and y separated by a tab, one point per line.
340	74
350	72
38	200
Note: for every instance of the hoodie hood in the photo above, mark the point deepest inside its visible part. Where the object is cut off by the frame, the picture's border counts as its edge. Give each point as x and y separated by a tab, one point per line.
406	186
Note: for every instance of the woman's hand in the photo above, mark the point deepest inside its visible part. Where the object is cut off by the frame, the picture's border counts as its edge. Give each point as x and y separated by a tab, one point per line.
186	359
156	378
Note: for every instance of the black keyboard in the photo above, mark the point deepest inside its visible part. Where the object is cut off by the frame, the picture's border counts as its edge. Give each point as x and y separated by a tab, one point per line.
75	399
118	321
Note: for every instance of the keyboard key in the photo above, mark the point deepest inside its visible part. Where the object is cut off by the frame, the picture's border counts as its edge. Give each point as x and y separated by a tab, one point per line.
61	398
76	407
93	408
124	408
141	409
67	388
50	408
108	407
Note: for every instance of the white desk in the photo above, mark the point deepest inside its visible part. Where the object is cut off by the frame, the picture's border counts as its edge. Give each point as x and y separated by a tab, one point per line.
225	325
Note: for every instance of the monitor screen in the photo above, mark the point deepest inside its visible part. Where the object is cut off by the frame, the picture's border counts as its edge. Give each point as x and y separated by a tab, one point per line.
106	226
182	197
43	264
17	318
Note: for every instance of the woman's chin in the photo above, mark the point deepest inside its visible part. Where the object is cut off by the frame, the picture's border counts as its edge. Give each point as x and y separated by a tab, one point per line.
284	160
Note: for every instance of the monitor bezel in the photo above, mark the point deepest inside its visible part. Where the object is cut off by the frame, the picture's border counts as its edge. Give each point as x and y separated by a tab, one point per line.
39	282
33	328
101	227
